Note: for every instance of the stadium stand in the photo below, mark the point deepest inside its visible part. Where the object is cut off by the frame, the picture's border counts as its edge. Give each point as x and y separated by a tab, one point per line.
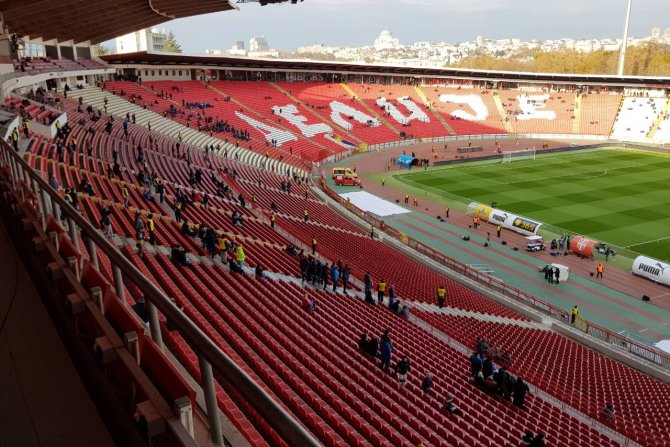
539	112
595	379
298	374
598	112
636	117
402	106
210	162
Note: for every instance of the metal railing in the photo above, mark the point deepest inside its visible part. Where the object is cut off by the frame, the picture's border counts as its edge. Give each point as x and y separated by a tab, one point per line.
619	341
211	358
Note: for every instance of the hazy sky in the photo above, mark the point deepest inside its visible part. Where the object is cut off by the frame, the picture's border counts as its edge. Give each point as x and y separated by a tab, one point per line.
358	22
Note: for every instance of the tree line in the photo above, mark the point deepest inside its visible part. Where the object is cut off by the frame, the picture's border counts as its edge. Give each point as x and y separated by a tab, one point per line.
650	59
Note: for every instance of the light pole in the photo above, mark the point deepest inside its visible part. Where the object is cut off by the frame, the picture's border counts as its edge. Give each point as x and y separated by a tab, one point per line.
622	53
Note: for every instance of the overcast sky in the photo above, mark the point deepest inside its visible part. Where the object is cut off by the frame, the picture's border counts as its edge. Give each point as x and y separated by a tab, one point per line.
358	22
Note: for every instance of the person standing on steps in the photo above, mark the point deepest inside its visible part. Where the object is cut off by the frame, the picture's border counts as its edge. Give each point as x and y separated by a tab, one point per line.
305	215
314	245
273	219
381	290
151	228
441	296
126	196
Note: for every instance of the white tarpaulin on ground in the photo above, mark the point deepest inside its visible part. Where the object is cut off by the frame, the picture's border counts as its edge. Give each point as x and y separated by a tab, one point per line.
373	204
663	345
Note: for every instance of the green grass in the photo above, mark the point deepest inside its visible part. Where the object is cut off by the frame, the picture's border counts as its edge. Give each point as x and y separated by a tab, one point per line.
618	196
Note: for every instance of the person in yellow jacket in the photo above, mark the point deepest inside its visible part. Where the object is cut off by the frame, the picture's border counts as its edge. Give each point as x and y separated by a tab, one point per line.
381	289
273	219
151	226
305	215
15	139
575	314
26	129
126	196
314	245
240	256
441	296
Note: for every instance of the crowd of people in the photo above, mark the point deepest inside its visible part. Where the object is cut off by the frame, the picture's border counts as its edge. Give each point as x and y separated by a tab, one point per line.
493	379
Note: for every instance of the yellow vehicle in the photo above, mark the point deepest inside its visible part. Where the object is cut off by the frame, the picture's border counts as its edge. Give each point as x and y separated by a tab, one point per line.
345	172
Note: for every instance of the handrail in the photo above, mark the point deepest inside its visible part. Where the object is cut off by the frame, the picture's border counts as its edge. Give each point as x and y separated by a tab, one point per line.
649	353
283	423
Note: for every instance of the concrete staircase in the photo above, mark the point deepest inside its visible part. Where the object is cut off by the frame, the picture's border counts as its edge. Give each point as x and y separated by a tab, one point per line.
503	114
576	123
657	123
435	113
432	308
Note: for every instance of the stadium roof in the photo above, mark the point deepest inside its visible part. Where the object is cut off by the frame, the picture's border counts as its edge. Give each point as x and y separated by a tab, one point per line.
99	20
154	58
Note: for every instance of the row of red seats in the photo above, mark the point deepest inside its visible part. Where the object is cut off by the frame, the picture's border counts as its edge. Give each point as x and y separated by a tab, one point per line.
594	379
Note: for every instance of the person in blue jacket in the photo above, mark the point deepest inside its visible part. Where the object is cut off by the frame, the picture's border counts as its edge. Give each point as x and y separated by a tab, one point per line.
334	275
385	350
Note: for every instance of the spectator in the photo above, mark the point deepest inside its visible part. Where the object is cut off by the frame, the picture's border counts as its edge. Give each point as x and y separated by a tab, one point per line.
151	227
233	265
427	383
405	311
402	368
363	341
53	182
475	364
441	296
607	414
106	222
520	391
290	249
367	279
504	383
259	272
385	351
187	230
487	368
381	289
538	441
334	275
373	347
325	272
240	256
345	278
179	256
528	437
451	407
309	304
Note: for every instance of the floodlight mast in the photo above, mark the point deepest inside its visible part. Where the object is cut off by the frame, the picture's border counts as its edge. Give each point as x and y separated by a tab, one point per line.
624	43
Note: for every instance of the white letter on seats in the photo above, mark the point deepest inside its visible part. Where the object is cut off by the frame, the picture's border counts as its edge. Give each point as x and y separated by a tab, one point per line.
475	102
416	112
529	105
271	133
290	113
338	109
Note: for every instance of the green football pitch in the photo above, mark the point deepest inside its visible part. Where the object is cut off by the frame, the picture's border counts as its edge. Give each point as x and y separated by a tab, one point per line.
617	196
